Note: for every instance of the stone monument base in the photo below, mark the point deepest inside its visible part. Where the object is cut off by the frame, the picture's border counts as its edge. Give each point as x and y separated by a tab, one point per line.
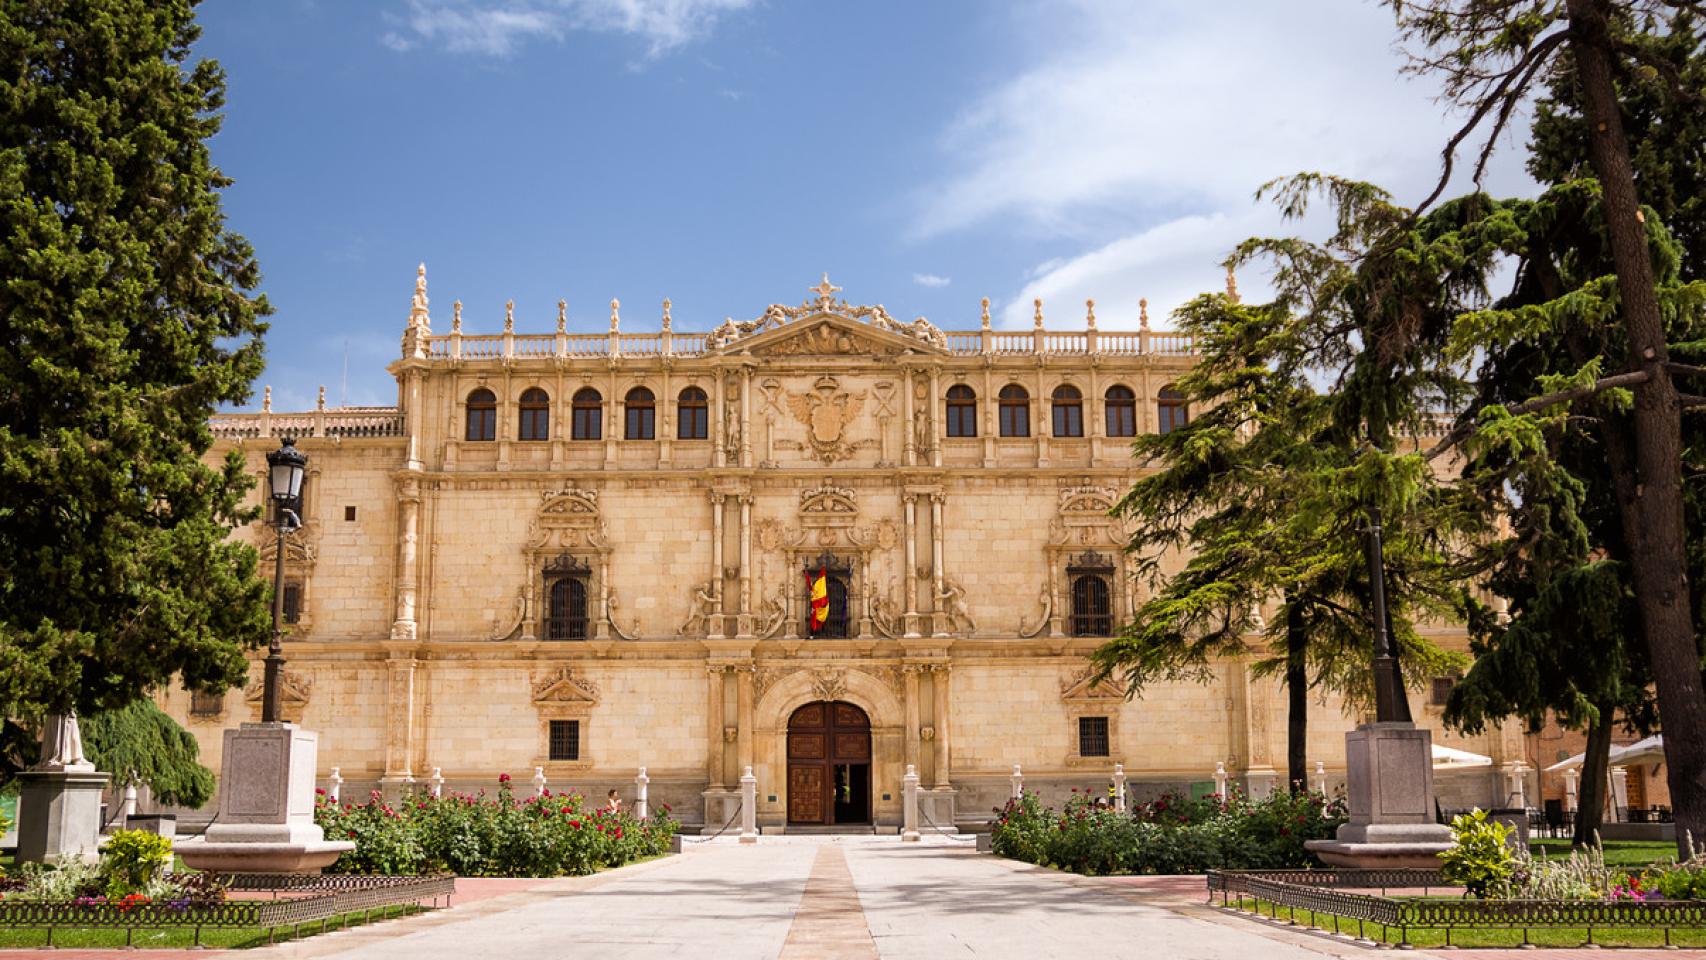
1390	782
266	806
59	814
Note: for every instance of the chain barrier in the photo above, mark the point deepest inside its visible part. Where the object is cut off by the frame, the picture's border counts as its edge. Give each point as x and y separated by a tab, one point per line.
732	817
951	836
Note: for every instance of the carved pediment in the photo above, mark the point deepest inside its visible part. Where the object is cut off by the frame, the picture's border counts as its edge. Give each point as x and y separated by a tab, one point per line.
299	548
295	689
828	505
1087	500
826	325
564	686
571	506
567	519
1078	687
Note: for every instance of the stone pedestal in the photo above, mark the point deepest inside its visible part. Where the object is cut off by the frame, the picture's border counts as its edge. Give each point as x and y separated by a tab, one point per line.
266	806
59	814
1390	780
937	808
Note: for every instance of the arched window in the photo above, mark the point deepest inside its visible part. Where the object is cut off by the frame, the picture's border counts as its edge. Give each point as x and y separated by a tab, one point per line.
1068	411
535	415
1122	412
962	411
1092	606
587	417
692	415
1015	406
838	577
482	415
1171	410
642	415
566	617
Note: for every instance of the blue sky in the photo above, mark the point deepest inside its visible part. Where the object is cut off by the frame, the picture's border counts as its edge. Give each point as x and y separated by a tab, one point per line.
724	153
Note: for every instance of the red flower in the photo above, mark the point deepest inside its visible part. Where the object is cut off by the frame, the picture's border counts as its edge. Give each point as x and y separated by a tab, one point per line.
565	811
503	778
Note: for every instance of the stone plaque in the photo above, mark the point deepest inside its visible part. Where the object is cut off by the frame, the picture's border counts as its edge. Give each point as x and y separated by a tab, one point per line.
1403	766
261	793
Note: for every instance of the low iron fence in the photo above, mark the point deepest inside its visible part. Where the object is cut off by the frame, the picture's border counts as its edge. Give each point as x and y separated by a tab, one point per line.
1325	892
296	899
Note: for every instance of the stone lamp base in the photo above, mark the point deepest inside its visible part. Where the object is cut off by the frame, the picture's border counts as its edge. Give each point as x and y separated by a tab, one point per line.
266	806
1389	775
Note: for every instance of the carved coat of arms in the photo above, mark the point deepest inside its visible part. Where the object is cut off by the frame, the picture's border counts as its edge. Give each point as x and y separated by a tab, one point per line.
827	412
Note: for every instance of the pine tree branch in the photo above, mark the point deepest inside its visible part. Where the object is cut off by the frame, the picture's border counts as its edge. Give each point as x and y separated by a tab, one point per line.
1663	67
1570	395
1687	369
1690	401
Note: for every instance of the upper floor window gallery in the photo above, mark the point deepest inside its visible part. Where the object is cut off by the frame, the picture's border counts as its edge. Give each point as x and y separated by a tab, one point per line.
1068	411
587	415
1122	412
962	411
1015	408
482	415
642	415
692	415
1170	410
535	409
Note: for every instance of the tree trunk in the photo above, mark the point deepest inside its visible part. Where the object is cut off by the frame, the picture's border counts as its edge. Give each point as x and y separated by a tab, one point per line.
1653	517
1590	794
1297	707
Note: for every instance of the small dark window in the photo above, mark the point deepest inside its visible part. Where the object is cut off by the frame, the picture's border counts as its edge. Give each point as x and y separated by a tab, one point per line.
1015	407
535	415
482	415
566	616
349	514
962	411
587	418
1122	412
1092	608
1092	736
838	583
1068	411
1442	690
565	740
206	704
292	602
1171	409
642	414
692	415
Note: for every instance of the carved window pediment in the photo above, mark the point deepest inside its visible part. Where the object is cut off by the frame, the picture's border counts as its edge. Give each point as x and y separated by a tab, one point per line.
1079	688
829	506
564	692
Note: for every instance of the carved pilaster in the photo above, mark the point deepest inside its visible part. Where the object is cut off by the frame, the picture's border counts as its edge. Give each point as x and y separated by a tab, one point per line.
939	673
408	539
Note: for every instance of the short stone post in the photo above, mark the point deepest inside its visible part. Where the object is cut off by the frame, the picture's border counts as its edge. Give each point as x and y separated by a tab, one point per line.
1321	778
334	785
127	808
748	807
1017	781
1119	788
1620	793
1220	780
640	783
1572	780
435	783
539	781
909	805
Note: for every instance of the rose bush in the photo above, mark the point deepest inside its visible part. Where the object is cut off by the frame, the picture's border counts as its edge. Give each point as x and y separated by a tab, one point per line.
1168	835
477	835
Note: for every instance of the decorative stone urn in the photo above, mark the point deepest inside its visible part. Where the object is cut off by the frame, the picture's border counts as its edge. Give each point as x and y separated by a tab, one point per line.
1390	779
266	806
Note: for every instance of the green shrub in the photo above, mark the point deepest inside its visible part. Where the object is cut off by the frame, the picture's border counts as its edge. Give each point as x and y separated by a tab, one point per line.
1480	858
132	859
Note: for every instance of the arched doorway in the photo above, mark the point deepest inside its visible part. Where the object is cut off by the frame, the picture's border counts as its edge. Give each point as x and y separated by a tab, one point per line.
829	764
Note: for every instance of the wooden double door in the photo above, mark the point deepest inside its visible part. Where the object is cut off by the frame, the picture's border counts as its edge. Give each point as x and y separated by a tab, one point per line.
829	764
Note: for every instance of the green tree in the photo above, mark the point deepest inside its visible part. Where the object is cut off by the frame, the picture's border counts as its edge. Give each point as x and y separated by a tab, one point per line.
138	743
127	313
1490	54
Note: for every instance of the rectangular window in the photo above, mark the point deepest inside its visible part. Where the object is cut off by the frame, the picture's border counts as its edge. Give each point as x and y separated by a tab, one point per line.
1015	420
691	425
641	425
206	704
565	740
535	423
1442	690
292	602
482	423
962	420
1092	736
349	514
1122	420
588	423
1068	420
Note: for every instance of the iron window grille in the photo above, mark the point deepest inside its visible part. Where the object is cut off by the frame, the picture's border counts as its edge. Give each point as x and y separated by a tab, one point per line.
692	415
565	740
1441	691
567	578
1092	736
838	576
1122	412
1091	576
586	415
206	704
482	416
962	411
535	409
292	602
642	415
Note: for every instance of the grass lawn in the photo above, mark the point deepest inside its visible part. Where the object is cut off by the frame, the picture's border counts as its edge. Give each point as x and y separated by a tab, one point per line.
226	937
1429	937
1618	853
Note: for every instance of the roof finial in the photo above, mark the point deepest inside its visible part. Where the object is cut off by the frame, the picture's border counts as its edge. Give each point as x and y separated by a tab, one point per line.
615	315
266	400
562	315
1231	284
321	404
1038	305
986	313
825	292
666	317
1090	313
1143	313
509	316
456	317
418	309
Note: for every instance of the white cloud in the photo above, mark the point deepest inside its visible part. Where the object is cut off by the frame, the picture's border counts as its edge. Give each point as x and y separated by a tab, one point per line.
931	280
497	27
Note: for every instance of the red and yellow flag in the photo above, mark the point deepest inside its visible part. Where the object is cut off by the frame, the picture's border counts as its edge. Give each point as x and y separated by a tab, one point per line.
820	598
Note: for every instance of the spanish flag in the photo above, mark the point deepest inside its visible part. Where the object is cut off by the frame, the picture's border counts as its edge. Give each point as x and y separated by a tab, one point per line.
820	598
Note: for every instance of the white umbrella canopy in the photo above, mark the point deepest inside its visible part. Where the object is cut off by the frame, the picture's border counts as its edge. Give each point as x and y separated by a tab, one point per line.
1449	758
1652	748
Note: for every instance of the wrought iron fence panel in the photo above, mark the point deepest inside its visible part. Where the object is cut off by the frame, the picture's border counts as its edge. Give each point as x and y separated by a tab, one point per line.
299	898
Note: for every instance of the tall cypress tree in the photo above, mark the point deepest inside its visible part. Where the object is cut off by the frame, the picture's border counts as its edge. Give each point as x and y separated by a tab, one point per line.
128	312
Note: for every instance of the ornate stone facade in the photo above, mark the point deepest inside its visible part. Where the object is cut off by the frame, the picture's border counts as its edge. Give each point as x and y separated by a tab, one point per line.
613	531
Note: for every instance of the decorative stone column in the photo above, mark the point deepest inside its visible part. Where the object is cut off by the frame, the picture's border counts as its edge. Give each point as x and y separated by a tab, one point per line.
399	722
640	783
745	612
714	733
408	538
910	575
1572	780
714	620
909	805
743	697
939	702
941	619
748	807
908	440
909	673
1016	783
1119	788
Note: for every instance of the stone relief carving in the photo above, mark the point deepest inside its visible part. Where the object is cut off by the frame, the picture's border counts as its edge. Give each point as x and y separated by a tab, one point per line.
705	605
1045	600
564	685
1081	685
921	331
828	499
295	689
829	684
951	604
775	613
506	628
886	615
827	411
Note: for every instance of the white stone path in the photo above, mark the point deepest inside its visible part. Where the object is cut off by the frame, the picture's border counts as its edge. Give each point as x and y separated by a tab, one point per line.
866	897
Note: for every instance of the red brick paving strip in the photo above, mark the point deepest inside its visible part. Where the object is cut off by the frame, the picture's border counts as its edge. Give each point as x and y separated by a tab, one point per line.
830	924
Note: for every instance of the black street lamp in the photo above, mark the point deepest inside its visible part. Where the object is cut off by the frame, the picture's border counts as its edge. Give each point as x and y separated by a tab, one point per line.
1389	702
285	467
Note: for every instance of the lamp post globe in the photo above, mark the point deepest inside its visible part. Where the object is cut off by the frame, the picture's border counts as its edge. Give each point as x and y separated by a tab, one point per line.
285	468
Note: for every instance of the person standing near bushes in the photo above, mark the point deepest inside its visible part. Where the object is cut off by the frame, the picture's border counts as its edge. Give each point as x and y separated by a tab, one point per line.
612	803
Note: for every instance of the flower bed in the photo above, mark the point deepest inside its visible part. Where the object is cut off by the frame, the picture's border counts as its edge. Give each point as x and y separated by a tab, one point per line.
477	835
1170	835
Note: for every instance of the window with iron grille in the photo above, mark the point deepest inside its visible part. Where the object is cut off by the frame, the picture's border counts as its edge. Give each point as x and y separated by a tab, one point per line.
1092	736
1090	577
567	579
292	602
1442	690
838	575
565	740
962	411
206	704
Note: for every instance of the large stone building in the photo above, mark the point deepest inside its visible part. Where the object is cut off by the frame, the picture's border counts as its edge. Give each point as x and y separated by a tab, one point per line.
592	553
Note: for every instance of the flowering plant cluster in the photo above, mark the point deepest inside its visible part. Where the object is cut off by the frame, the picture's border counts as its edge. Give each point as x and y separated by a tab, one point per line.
1170	834
478	835
131	873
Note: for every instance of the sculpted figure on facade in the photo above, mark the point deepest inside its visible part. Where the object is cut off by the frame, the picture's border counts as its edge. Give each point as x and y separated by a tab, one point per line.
704	606
951	605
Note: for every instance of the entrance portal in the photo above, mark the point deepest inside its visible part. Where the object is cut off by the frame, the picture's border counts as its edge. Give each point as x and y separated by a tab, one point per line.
829	764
